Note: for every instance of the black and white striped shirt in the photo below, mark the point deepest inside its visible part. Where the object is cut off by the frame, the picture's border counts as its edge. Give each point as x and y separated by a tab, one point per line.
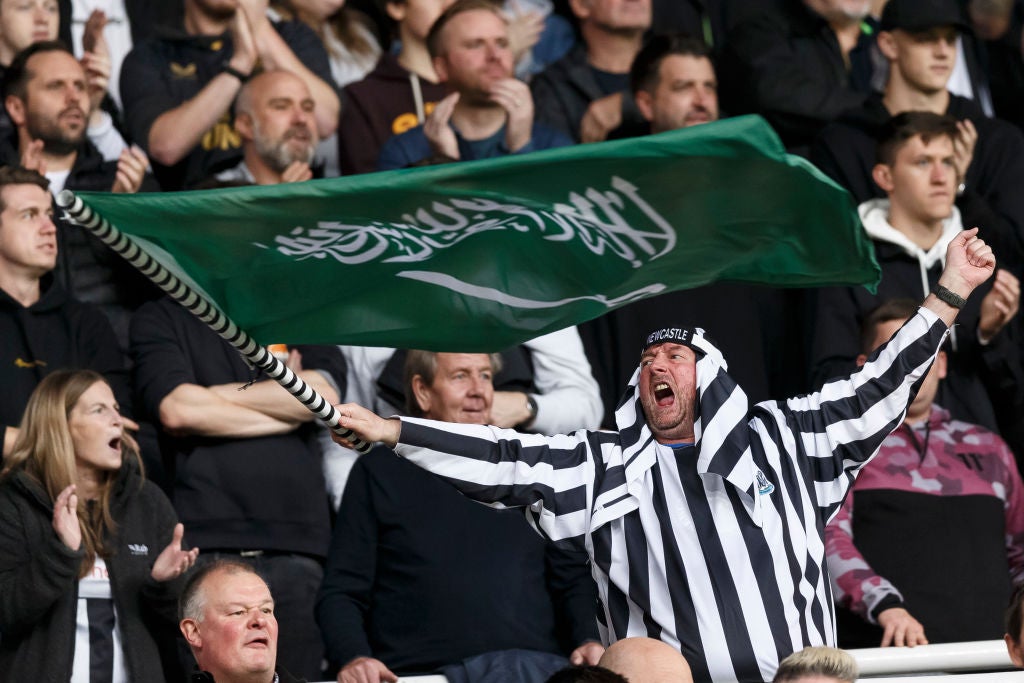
719	552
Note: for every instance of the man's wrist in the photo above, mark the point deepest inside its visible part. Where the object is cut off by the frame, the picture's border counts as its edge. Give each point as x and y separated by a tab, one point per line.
100	122
531	412
948	296
394	433
242	76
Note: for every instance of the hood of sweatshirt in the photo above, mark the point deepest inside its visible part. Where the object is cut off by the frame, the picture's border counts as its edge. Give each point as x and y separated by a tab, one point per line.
874	213
52	296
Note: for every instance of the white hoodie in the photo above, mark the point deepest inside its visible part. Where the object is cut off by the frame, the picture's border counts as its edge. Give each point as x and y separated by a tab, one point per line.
874	214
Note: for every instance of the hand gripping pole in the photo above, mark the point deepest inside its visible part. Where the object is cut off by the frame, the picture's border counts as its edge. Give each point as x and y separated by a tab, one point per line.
206	311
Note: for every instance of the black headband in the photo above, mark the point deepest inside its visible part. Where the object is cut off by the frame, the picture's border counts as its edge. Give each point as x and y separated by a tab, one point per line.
675	335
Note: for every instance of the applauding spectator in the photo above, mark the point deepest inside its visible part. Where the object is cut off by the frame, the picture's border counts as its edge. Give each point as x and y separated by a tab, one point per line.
90	552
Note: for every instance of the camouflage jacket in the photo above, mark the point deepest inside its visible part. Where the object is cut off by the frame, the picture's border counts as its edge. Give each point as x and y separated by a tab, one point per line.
939	493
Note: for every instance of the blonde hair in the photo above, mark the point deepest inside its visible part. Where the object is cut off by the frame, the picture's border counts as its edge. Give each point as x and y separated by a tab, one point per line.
817	661
45	453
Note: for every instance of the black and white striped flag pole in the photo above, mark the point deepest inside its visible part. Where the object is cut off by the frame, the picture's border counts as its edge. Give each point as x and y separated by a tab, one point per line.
206	311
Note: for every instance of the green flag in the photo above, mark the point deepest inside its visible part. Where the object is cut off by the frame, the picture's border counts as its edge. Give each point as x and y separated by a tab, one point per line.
480	256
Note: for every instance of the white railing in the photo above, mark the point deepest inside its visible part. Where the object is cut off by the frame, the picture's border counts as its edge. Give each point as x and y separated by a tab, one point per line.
935	662
982	655
1001	677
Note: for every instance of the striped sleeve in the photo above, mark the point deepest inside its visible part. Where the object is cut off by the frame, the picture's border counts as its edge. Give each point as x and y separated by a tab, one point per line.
841	426
552	477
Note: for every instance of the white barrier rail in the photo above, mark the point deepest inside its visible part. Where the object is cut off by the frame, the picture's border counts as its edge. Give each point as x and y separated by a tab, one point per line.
1002	677
877	665
982	655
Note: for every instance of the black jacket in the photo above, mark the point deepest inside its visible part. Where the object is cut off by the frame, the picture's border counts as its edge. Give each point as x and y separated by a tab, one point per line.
783	61
400	585
992	199
563	92
39	581
282	677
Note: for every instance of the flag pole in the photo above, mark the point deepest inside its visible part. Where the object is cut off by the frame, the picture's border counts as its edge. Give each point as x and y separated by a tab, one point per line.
206	311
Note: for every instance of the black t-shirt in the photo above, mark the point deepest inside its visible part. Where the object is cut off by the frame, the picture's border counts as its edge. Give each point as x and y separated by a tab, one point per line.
163	73
610	83
260	493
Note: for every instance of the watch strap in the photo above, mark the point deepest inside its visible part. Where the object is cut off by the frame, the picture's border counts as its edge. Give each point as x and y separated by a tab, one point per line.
950	297
228	69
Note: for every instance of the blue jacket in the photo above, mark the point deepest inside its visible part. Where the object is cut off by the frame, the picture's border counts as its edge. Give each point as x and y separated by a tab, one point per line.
412	148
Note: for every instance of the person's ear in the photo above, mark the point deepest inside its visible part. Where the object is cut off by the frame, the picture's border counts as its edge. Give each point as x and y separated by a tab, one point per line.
421	392
645	103
882	175
16	109
887	45
190	629
243	124
441	68
396	10
1016	655
581	8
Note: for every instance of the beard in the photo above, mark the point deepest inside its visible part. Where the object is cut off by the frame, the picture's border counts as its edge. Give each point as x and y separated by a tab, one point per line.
280	154
57	140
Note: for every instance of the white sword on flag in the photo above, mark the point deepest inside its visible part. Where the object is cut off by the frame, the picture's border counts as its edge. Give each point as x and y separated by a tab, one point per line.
206	311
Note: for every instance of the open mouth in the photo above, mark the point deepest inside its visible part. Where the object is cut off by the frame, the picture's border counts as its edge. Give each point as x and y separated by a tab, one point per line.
262	641
115	443
663	395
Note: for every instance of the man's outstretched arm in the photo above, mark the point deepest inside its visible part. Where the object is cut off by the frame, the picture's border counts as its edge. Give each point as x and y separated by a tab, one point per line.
552	476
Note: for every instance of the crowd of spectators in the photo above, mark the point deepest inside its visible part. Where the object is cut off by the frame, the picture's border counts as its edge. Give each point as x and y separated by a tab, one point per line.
914	106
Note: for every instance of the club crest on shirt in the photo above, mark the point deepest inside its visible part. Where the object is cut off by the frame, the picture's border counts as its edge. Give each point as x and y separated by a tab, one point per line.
764	487
138	548
179	71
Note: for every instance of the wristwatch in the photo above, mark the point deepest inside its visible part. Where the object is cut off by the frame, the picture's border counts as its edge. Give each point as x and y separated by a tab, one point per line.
531	406
228	69
951	298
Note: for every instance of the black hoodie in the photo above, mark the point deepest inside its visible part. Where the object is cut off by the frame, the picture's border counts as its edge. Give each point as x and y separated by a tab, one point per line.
377	107
53	333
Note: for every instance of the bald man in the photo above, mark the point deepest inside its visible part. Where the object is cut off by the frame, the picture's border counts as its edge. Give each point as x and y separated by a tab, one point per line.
275	117
646	660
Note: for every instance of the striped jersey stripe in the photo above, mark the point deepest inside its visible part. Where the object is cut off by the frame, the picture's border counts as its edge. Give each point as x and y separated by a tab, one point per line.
718	550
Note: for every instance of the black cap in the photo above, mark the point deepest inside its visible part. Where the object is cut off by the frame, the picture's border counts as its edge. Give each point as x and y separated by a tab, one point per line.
916	16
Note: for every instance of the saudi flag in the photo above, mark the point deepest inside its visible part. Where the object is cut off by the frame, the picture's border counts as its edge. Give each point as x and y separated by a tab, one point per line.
479	256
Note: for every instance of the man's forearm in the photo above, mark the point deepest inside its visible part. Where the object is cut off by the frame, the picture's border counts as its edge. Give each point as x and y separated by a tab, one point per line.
275	54
273	400
195	410
176	132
